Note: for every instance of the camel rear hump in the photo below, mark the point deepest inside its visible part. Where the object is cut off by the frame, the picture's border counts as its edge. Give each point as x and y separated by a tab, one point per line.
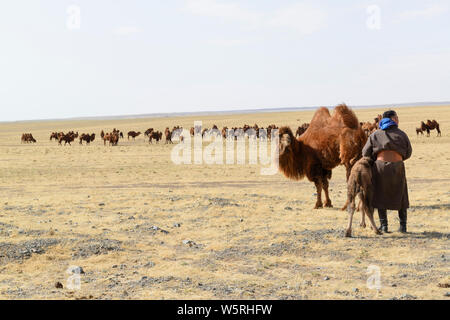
348	116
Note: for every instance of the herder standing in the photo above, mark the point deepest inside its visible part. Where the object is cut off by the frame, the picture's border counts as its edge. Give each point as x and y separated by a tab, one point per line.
389	146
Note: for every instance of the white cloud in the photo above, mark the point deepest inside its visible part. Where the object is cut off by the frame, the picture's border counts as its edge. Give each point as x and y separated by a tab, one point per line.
303	17
430	12
126	30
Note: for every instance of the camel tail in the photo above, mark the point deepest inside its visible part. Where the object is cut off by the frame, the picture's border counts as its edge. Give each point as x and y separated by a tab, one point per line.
348	116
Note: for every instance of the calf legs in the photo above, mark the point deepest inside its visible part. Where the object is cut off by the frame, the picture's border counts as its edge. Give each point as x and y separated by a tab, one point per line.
365	210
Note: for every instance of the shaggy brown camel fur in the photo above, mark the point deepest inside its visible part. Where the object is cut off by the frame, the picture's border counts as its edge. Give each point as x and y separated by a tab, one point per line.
360	184
328	142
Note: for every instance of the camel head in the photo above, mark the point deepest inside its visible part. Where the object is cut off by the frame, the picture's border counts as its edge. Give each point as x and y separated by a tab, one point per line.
286	140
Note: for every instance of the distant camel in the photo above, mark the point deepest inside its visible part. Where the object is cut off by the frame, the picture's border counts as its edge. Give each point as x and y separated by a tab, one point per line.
148	132
87	137
434	125
54	135
419	130
133	134
168	135
156	135
301	129
28	138
369	127
67	138
114	138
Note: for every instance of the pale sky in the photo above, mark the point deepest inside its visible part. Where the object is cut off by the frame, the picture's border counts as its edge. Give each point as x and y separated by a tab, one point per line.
133	57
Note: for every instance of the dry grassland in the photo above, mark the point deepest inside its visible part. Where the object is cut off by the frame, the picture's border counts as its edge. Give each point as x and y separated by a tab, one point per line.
254	236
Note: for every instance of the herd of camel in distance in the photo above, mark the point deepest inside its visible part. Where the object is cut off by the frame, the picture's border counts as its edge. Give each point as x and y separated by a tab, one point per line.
328	141
113	137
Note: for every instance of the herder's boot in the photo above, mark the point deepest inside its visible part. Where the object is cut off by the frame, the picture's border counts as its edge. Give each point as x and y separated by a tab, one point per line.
382	213
402	215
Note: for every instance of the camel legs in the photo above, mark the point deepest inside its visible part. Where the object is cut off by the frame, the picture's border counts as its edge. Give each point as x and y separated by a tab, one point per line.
327	197
321	182
318	184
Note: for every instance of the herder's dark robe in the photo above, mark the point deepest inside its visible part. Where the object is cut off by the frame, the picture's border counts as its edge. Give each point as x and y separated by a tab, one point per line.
389	178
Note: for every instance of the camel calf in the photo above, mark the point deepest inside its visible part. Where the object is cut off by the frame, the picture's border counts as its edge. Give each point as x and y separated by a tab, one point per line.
360	184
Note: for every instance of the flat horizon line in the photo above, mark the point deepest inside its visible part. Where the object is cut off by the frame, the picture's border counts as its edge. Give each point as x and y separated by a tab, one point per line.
221	112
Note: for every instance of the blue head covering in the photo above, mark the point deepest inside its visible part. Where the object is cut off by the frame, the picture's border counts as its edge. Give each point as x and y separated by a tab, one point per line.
387	123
